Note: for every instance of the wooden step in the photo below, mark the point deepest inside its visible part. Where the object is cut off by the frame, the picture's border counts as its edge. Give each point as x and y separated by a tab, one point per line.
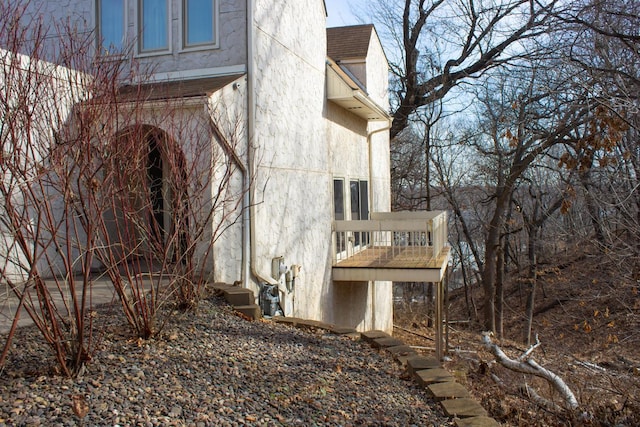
251	311
239	296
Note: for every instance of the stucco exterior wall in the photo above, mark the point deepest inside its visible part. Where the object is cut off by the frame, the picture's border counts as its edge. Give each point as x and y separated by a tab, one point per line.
377	73
227	109
292	181
304	142
27	138
301	142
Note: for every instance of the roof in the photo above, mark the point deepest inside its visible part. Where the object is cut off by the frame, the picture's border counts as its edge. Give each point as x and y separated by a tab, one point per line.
176	89
350	42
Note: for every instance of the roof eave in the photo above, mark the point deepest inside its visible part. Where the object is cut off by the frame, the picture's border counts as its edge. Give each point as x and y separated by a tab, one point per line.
346	93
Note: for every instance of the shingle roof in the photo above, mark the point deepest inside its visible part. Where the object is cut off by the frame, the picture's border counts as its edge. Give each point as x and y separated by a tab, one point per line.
350	42
176	89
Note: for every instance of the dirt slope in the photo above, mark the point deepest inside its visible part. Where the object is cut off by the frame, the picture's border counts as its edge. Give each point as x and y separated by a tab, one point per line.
587	317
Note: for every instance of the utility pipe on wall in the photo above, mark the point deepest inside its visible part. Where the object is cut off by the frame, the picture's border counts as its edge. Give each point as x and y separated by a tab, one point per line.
249	205
370	147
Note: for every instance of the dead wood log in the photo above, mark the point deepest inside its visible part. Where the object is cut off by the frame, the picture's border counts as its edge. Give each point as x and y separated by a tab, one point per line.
527	365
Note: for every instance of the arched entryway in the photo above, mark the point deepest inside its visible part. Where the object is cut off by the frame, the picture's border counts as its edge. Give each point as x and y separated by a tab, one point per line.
152	168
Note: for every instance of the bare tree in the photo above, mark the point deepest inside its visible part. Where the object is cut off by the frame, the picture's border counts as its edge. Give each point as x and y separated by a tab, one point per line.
103	179
41	237
436	45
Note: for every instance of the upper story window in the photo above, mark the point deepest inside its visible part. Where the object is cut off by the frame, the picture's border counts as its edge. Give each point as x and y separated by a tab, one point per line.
110	26
199	22
153	24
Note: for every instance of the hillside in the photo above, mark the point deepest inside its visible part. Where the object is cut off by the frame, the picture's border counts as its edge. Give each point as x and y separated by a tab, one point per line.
587	318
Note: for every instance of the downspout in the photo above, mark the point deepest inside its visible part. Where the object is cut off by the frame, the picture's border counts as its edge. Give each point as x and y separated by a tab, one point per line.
249	205
369	146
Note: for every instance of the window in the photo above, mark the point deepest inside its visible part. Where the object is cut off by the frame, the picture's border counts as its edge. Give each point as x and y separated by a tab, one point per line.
338	212
338	199
153	22
110	26
359	207
198	22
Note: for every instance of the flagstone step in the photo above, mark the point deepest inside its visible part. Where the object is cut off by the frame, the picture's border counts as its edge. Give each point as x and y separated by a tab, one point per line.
314	324
369	336
418	363
425	377
476	422
447	390
463	408
400	350
386	342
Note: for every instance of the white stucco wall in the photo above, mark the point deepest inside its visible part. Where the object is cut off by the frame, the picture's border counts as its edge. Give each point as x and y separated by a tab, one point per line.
303	143
377	73
27	138
227	108
292	217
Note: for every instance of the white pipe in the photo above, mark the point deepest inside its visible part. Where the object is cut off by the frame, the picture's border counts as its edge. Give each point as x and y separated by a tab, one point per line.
249	205
369	146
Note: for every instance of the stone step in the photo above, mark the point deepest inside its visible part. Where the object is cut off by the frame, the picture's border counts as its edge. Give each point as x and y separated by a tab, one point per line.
399	351
314	324
369	336
418	363
385	342
341	330
425	377
239	296
476	422
251	311
463	408
447	390
301	323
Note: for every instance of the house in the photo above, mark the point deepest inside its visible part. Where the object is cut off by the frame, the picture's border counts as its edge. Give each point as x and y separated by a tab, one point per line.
299	110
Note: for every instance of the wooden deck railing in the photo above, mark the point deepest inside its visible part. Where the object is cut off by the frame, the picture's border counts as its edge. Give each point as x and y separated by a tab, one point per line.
391	240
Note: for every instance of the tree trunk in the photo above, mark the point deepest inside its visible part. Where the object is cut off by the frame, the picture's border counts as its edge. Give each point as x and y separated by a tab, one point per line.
492	245
500	292
532	282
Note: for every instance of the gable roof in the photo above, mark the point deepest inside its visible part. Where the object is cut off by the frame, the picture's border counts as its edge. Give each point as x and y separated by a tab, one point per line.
352	42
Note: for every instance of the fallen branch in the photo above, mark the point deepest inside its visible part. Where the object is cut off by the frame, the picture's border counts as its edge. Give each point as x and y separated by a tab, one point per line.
527	365
413	332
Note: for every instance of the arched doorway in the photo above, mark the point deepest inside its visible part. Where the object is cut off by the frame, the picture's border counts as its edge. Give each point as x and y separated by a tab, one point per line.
154	210
155	140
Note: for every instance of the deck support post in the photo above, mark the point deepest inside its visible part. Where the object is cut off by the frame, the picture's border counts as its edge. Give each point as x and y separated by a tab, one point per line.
438	319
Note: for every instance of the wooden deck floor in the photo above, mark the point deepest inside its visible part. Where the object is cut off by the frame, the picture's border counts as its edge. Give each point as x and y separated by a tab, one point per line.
406	257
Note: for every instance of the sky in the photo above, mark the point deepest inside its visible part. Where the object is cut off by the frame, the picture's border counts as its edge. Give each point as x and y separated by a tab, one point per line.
339	12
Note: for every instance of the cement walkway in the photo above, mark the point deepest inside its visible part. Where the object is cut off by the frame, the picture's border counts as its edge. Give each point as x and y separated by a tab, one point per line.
102	291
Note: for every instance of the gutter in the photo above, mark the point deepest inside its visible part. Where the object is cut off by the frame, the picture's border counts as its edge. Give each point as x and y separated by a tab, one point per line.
249	206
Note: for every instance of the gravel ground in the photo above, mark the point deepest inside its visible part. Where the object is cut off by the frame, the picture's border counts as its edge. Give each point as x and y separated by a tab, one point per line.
212	368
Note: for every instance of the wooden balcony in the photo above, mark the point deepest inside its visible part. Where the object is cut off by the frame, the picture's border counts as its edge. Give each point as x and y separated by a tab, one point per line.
396	246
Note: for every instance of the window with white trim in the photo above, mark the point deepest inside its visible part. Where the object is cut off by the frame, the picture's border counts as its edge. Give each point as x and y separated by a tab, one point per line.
153	25
198	23
109	26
